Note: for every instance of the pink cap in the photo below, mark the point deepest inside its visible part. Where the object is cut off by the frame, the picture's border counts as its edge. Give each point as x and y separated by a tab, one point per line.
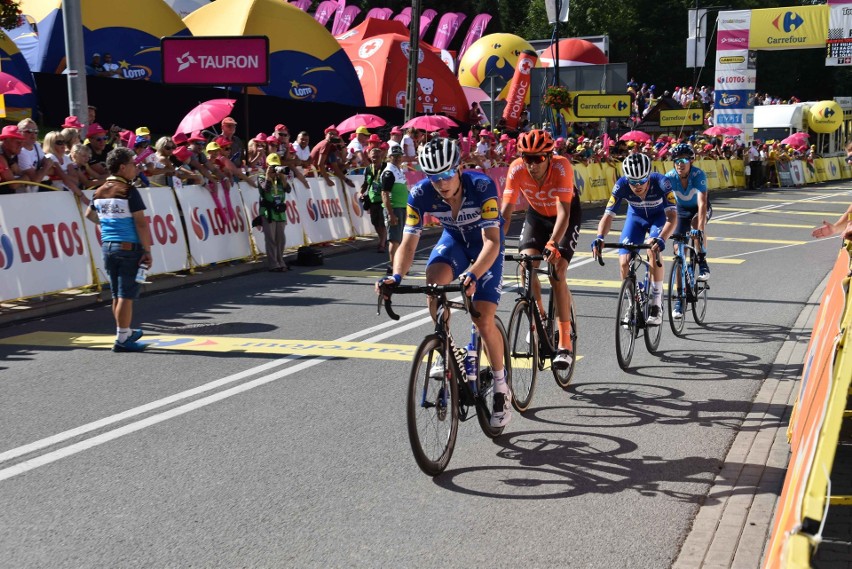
281	128
95	129
396	130
11	131
72	122
196	137
178	138
182	153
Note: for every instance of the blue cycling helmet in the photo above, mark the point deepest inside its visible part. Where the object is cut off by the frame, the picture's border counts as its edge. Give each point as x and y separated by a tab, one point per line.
683	150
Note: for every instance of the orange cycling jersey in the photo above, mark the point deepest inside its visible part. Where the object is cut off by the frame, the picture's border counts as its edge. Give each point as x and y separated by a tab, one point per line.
557	186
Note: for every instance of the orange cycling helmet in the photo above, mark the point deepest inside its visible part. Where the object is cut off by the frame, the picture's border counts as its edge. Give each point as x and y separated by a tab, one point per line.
536	142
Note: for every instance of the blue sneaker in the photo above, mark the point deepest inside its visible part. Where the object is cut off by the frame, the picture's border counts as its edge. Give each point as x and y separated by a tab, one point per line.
128	346
135	335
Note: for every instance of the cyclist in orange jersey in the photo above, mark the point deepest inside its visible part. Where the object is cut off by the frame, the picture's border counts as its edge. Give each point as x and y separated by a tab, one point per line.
552	222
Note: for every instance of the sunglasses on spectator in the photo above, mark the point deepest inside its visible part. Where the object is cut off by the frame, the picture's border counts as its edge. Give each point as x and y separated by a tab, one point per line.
99	138
681	161
30	130
638	182
283	133
169	147
443	176
535	158
60	142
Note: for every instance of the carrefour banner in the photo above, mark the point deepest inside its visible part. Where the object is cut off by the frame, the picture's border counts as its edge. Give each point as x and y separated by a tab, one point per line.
792	27
839	51
42	245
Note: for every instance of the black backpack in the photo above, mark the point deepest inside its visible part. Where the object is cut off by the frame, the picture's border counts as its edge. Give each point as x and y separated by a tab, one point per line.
309	257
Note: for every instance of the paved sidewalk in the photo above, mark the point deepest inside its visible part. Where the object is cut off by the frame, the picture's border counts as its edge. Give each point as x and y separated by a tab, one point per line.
732	528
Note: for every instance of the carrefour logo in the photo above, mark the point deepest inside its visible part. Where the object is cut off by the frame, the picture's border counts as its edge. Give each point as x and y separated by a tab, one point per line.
788	22
579	182
619	106
7	253
833	168
826	112
200	225
725	171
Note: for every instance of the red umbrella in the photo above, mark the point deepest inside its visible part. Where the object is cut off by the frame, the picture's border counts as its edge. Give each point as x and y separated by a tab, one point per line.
716	131
10	85
636	136
361	119
430	123
206	114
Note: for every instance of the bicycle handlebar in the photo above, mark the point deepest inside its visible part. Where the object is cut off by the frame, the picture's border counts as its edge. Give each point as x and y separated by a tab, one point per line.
433	290
632	247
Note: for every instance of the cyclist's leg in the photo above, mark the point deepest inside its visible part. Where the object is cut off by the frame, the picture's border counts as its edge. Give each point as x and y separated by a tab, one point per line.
633	232
561	292
445	263
657	273
534	236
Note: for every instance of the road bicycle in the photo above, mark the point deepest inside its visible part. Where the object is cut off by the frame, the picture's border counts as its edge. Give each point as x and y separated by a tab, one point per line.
684	286
634	305
435	406
534	337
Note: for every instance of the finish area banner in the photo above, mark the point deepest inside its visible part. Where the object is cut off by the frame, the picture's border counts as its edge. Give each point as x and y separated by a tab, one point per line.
792	27
839	48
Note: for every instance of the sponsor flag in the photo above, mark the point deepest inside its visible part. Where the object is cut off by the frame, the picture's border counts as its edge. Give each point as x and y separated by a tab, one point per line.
426	20
342	26
519	89
448	26
378	13
477	28
404	16
324	11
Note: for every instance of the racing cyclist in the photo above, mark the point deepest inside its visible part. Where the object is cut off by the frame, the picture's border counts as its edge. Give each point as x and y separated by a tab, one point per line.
470	248
690	188
552	222
651	210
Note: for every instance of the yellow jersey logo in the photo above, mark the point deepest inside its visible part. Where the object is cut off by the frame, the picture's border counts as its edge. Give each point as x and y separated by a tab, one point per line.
490	209
671	198
611	202
411	217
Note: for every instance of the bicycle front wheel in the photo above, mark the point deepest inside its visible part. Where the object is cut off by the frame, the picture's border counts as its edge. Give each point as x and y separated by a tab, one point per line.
625	324
653	333
563	376
485	385
699	307
432	408
523	352
675	295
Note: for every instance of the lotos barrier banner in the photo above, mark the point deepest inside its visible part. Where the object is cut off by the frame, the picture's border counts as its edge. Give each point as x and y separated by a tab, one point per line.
358	216
42	245
169	252
211	238
322	212
293	235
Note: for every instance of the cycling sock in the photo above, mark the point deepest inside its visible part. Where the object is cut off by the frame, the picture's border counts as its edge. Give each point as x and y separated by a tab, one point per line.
657	293
565	335
500	380
122	334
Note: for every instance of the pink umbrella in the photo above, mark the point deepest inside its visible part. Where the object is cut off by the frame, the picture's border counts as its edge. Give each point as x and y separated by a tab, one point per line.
716	131
475	95
636	136
361	119
10	85
430	123
206	114
796	139
732	130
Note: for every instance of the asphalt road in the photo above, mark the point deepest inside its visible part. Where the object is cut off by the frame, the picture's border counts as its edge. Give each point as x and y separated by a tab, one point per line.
215	450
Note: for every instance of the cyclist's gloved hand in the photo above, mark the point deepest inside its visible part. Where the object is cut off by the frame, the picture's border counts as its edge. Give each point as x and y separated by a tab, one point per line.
468	281
597	245
695	233
552	252
661	244
388	283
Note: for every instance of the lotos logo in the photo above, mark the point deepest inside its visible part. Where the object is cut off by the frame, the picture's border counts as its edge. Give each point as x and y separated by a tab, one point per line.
7	252
789	22
200	225
355	203
313	210
301	91
163	228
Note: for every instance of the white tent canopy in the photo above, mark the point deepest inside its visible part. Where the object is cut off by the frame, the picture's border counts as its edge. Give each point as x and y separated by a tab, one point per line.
779	116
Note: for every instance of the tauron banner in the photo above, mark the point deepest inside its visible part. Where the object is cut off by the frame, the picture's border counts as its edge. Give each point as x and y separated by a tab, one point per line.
791	27
839	48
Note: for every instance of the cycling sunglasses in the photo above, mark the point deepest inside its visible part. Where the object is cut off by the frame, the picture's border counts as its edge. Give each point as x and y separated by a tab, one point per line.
638	182
534	158
443	176
681	161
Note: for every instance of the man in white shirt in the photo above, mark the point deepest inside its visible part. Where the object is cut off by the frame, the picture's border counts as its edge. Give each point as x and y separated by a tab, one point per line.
31	158
302	149
355	149
409	144
754	165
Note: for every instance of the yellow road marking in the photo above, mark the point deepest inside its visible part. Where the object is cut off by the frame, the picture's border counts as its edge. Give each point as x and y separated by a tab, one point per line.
746	240
223	344
806	200
752	224
710	260
785	211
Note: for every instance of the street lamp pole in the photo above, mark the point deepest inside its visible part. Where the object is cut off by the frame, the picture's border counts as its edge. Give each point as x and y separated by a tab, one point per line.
698	20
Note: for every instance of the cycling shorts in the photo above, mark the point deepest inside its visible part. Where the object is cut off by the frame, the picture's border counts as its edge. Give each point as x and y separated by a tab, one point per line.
452	251
537	230
636	227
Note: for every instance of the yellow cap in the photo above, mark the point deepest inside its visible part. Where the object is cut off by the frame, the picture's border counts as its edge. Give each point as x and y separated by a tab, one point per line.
212	146
273	160
143	131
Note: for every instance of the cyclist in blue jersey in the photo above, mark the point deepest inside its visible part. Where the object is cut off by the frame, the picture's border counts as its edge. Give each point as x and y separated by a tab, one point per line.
690	188
651	210
469	249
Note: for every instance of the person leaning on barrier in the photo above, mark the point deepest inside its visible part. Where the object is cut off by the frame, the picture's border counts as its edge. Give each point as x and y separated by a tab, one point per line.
79	169
118	207
10	148
31	158
273	187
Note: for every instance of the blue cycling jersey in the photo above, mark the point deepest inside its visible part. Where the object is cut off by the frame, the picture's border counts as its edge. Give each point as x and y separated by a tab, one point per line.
696	183
658	199
479	209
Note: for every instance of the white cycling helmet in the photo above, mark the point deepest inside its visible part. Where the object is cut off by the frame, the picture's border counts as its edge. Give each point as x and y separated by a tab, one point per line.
439	155
636	167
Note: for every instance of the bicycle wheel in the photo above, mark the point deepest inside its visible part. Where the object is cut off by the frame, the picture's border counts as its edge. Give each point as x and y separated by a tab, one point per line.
432	409
699	307
563	376
523	350
485	385
625	324
676	294
653	333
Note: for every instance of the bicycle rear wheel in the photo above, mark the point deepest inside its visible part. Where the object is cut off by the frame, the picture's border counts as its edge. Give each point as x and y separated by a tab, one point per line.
523	350
625	324
432	408
563	376
485	385
699	307
676	294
